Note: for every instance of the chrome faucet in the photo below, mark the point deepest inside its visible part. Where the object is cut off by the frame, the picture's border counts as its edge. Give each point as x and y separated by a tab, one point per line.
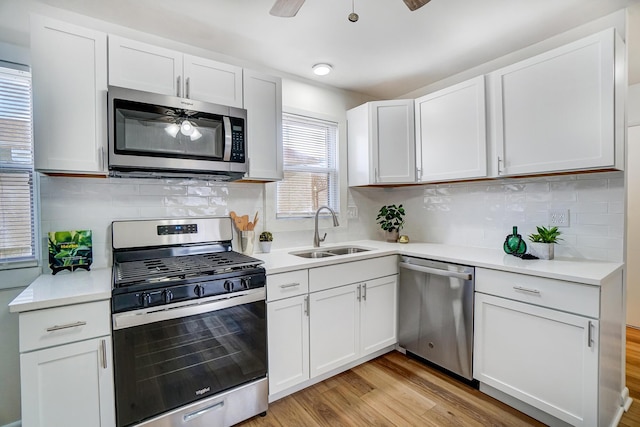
316	236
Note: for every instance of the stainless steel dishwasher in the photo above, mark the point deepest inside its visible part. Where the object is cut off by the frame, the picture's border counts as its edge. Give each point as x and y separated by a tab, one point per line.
436	313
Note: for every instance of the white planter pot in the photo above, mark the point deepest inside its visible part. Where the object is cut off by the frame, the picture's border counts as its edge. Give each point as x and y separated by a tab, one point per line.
265	247
391	236
541	250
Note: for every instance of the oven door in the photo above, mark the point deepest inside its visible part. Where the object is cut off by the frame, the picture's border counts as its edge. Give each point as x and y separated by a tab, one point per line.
165	358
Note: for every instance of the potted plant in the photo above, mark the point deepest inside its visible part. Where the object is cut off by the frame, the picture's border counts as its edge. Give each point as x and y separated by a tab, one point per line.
265	241
542	242
390	218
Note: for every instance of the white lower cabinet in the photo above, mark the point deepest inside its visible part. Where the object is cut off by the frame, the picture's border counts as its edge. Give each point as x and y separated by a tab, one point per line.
70	385
546	358
352	321
323	319
288	338
551	348
66	366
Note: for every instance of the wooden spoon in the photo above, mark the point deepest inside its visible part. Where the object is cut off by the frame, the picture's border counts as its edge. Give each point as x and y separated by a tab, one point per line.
245	221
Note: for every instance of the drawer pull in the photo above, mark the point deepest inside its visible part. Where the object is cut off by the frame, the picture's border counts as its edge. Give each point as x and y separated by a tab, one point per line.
289	285
306	305
528	290
364	292
589	336
67	326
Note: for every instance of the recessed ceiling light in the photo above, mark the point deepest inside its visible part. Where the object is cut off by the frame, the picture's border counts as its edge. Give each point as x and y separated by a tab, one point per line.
322	69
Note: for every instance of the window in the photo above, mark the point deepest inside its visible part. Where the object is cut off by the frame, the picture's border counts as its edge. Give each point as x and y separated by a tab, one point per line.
310	167
17	231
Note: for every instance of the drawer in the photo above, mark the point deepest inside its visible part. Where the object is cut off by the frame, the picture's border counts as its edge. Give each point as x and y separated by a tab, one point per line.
290	284
62	325
331	276
571	297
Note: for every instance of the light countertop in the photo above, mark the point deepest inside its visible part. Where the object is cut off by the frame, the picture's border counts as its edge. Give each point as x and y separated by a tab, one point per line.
67	288
64	288
570	269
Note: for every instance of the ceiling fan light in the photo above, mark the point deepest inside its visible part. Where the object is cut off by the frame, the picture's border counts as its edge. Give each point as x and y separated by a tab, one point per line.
322	69
186	128
172	129
195	135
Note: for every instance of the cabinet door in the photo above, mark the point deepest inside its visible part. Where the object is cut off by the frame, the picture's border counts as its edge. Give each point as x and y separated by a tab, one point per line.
334	328
263	102
393	141
212	81
69	385
451	141
69	68
141	66
378	314
555	111
543	357
288	337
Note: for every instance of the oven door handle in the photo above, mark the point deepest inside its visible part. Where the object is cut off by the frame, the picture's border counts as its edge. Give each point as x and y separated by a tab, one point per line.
157	314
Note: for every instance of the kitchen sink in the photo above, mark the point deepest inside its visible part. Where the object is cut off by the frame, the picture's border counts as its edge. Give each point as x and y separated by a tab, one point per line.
328	252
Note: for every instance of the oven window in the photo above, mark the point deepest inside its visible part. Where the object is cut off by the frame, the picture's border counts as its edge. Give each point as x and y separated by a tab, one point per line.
162	366
149	130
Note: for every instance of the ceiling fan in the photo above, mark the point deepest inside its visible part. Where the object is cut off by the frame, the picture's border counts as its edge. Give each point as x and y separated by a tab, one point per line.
289	8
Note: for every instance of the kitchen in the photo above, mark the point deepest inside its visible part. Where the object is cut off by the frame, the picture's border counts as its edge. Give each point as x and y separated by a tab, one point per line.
444	213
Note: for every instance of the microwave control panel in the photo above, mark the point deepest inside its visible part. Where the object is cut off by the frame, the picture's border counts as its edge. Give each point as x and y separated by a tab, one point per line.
237	140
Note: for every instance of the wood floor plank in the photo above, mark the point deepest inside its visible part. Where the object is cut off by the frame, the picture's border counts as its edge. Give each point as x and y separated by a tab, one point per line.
394	390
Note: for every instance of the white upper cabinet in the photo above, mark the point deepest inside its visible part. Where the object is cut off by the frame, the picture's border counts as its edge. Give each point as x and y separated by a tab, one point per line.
69	69
263	102
381	143
561	110
451	138
141	66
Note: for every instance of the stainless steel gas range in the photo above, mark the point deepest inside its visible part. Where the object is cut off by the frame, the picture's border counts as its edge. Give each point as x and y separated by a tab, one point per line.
189	325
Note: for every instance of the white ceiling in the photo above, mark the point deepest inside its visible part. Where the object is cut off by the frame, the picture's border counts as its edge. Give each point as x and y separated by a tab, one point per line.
389	52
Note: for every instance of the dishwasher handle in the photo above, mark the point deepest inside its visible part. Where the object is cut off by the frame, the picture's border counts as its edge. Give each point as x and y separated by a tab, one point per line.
436	271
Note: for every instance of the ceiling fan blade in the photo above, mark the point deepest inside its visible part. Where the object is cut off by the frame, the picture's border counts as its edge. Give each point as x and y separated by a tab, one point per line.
286	8
415	4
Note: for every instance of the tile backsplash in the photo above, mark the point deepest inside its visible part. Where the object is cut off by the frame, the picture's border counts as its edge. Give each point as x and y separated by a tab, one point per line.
478	214
482	213
93	203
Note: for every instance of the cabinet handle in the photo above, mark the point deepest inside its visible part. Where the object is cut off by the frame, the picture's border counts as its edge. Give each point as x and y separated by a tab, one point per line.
289	285
359	292
589	335
364	291
531	291
499	162
103	351
186	87
306	305
375	175
67	326
178	87
418	174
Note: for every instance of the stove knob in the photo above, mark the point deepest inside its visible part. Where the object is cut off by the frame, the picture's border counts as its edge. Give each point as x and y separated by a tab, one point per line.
199	291
228	285
145	299
167	295
245	282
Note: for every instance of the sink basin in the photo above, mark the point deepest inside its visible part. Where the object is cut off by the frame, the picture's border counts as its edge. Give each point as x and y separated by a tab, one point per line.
328	252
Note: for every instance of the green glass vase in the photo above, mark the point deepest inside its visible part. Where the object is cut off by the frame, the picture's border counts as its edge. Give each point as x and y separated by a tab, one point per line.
513	243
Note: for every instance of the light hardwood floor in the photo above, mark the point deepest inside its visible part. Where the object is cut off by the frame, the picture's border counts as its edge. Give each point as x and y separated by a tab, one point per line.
394	390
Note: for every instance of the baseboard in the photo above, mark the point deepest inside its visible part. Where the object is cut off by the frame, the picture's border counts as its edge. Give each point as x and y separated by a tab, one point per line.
14	424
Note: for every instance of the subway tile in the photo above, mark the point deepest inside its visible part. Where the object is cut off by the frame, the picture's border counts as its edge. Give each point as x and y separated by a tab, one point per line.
599	219
163	190
186	201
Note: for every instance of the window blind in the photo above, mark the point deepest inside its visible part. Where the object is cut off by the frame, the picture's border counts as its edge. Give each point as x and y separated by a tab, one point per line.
310	167
17	231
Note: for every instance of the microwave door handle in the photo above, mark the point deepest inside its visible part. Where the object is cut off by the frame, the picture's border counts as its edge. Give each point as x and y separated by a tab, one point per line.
227	139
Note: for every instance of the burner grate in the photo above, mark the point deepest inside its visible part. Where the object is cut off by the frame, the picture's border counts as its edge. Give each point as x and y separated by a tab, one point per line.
178	267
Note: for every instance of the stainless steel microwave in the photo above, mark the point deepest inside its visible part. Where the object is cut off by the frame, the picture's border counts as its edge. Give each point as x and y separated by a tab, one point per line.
152	135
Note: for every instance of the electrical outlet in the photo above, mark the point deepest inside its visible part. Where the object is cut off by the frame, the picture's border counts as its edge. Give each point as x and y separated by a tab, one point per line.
559	218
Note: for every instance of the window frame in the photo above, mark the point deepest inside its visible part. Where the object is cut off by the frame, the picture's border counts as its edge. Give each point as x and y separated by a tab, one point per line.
7	264
272	223
332	169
